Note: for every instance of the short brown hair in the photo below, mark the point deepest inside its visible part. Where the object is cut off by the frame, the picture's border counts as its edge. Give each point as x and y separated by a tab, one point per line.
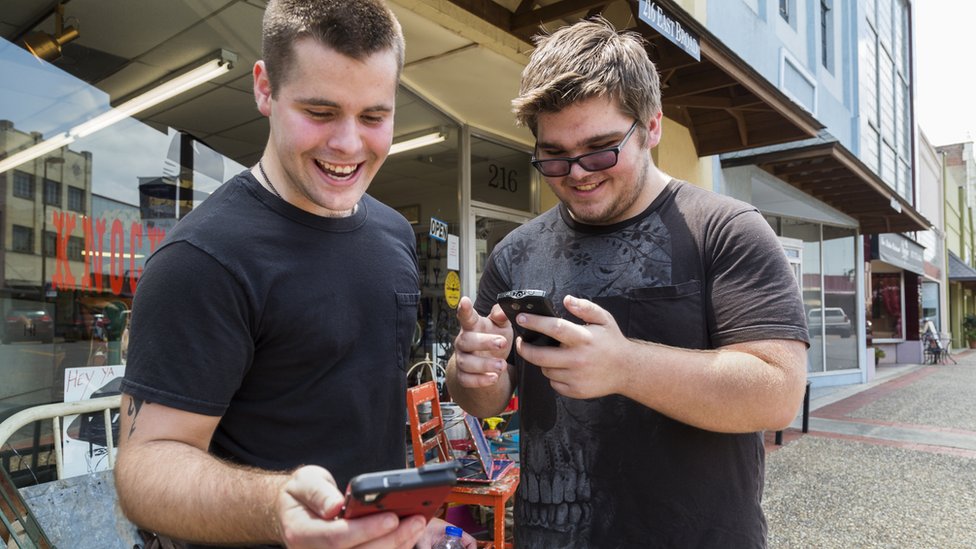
354	28
585	60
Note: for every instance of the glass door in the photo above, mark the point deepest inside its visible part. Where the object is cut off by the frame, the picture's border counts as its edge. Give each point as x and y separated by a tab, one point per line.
489	227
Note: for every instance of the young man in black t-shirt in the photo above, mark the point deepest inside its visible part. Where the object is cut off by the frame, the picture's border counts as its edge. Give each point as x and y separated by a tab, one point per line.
682	334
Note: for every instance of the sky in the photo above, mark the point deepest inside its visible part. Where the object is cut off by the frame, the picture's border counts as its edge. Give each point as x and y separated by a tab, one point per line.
945	83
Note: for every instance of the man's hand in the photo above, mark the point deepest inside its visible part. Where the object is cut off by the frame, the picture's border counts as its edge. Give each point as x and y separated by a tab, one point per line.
307	509
578	367
435	529
482	346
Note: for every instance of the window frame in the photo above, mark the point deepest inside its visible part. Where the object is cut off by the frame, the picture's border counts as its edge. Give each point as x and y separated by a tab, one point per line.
20	179
56	186
22	239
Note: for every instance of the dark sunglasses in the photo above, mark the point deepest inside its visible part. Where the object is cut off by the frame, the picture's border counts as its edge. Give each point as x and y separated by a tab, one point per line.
591	162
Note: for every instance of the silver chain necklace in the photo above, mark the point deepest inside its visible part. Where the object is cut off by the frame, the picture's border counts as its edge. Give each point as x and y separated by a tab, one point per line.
265	176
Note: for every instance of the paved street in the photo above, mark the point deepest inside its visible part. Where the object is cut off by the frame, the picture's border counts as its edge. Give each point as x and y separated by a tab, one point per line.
889	464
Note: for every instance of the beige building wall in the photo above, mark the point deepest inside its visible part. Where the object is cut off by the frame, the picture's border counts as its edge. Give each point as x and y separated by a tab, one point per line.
676	156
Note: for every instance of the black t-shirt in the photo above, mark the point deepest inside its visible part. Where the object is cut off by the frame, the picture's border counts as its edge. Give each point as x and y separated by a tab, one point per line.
695	270
294	328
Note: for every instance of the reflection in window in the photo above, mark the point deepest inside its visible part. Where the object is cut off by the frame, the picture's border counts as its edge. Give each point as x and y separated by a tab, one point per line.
826	35
930	304
488	233
50	243
23	185
76	199
809	233
75	234
828	266
75	246
840	297
23	239
886	306
52	192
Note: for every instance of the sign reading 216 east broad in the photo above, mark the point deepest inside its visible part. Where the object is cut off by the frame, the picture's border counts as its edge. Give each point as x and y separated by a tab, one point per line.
670	28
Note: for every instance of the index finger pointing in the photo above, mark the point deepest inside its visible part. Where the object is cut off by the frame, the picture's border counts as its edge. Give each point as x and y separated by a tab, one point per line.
466	315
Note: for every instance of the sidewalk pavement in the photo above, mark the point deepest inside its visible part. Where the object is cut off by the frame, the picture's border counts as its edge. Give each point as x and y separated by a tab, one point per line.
886	464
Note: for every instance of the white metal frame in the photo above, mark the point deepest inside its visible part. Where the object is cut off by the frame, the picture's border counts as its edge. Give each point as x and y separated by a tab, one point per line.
55	412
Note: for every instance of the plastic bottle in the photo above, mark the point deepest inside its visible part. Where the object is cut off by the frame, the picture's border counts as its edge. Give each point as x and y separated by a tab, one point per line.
451	539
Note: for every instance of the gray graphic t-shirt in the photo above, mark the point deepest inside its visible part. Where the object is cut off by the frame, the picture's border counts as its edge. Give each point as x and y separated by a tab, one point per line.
695	270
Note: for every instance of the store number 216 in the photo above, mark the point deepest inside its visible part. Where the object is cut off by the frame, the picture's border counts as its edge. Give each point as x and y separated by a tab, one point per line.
502	178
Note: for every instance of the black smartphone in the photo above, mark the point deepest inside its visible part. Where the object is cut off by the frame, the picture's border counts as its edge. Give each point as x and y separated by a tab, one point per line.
535	302
406	492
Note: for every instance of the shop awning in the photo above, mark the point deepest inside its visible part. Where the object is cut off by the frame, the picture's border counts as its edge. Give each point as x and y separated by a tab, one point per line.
725	104
959	271
826	170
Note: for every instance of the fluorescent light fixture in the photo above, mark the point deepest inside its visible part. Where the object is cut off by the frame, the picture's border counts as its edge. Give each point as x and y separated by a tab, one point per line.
417	142
108	255
171	88
35	151
204	73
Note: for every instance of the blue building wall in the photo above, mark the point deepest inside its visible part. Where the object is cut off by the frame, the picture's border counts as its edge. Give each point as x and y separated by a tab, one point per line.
788	54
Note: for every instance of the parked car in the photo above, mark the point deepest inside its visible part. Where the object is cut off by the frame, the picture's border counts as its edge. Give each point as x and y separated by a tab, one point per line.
833	319
28	325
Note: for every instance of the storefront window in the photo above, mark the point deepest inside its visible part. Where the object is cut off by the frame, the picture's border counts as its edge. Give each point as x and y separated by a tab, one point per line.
828	267
809	234
930	304
840	320
887	306
83	207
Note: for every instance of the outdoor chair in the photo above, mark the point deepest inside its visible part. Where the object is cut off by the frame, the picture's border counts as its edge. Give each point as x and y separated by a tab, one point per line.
427	434
937	348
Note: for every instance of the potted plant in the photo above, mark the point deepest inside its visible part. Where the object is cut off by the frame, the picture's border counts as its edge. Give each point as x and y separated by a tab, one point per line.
878	355
969	329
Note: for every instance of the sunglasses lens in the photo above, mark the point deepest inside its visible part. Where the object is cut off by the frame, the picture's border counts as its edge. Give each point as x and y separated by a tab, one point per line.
599	160
552	168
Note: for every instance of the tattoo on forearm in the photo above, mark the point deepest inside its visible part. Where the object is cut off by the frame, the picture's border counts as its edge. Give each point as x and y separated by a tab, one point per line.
135	404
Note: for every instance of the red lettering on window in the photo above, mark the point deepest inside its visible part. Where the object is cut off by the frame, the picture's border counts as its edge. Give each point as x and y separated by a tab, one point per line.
135	234
86	279
156	236
116	261
99	257
64	223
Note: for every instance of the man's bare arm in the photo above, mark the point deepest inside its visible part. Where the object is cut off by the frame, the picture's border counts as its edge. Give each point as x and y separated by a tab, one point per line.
739	388
168	482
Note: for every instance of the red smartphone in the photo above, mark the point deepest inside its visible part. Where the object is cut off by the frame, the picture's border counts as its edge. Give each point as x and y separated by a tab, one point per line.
406	492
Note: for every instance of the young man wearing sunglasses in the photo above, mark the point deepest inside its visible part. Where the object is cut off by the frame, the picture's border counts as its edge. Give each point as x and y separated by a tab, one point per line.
682	334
